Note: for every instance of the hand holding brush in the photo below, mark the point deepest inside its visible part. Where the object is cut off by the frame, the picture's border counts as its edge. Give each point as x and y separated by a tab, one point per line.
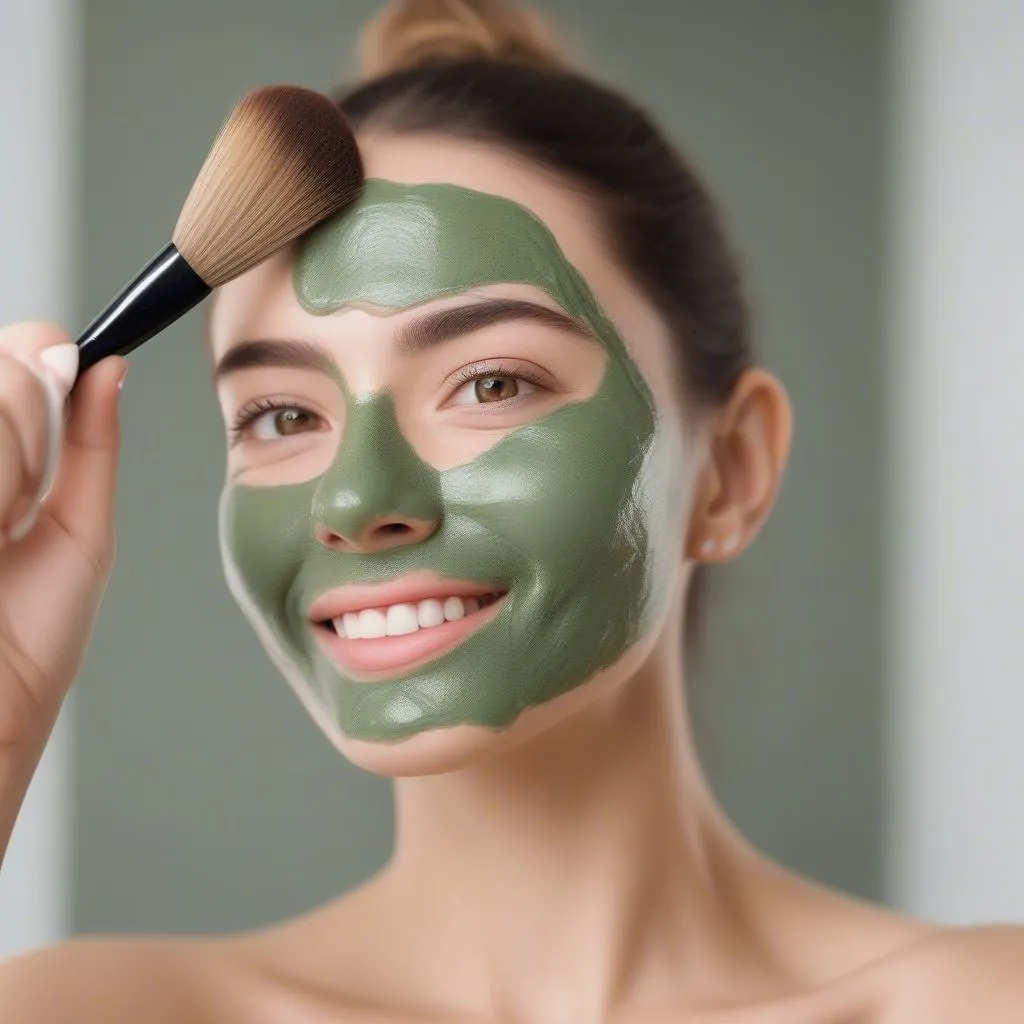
284	161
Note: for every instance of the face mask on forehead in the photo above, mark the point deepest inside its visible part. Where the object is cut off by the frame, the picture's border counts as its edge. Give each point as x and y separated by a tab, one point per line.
576	516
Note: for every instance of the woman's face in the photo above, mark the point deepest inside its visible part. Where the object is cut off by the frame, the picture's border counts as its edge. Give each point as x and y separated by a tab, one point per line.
457	487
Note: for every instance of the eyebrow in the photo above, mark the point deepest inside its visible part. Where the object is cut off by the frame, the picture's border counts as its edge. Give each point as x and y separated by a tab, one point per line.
424	332
296	355
448	324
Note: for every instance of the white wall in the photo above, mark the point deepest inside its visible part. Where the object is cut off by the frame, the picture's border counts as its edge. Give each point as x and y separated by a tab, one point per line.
957	398
39	41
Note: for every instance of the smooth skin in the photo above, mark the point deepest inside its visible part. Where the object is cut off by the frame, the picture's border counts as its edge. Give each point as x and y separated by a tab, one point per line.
575	866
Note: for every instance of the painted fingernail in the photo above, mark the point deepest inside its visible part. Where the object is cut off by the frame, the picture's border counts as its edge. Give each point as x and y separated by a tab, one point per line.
61	361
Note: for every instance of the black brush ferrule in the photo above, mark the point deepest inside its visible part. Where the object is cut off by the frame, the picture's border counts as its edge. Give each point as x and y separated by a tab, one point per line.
164	290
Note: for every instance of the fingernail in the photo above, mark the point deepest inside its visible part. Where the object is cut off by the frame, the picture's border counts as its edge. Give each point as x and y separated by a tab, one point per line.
124	374
61	361
23	527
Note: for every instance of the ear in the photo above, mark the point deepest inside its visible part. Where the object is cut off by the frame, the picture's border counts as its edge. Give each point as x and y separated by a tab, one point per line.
749	440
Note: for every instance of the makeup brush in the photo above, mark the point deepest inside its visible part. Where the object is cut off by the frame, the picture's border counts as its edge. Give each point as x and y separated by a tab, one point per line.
284	160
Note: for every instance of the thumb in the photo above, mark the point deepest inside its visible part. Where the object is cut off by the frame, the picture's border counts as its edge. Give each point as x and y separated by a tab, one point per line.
82	497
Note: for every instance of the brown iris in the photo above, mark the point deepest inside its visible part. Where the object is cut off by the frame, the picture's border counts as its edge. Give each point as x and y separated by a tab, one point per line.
292	421
495	389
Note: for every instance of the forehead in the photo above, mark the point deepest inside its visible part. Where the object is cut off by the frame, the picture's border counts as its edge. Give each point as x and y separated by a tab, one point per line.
262	299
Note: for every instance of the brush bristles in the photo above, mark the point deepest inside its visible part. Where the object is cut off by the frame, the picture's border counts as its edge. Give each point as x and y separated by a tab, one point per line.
285	160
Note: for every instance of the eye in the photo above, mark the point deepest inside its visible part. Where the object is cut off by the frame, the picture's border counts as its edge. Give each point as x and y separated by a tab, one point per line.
491	389
492	385
271	420
281	423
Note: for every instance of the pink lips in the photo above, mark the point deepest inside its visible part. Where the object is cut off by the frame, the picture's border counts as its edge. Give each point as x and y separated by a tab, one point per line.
391	653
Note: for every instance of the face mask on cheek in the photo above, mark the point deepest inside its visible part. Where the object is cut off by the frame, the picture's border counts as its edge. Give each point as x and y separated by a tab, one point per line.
577	516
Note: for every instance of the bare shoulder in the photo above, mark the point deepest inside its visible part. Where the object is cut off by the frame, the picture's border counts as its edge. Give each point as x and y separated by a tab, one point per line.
959	974
115	980
948	976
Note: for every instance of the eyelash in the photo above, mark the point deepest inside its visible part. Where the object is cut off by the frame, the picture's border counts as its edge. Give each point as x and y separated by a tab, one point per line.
478	371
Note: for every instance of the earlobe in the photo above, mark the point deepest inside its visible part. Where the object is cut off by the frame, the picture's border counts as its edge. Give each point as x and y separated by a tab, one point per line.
711	521
747	454
715	549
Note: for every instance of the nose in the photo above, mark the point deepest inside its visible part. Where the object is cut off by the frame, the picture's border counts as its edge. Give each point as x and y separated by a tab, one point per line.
377	494
378	534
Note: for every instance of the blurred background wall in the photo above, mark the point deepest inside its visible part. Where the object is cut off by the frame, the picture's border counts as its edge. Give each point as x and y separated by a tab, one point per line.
202	797
40	50
955	721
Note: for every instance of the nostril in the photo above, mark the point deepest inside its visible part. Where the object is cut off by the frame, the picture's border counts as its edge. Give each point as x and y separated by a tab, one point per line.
380	535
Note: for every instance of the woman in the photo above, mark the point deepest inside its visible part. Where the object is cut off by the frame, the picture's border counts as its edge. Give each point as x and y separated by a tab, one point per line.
482	427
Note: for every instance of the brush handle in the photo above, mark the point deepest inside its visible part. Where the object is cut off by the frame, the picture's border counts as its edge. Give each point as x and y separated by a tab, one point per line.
164	290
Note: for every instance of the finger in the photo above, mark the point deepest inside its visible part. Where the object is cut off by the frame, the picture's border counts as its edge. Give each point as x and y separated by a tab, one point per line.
12	479
82	497
25	341
25	421
48	353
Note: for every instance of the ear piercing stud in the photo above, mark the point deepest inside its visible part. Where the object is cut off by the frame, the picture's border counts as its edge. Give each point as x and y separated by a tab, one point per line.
710	547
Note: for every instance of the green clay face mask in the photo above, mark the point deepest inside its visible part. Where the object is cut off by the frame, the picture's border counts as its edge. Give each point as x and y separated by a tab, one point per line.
577	516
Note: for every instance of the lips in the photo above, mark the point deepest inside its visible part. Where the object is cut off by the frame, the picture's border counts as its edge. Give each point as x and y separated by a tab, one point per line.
400	624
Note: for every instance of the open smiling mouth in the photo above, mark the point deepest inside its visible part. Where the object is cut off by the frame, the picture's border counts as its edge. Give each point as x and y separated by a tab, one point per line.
384	638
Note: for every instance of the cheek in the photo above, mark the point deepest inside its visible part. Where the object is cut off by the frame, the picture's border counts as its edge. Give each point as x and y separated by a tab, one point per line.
593	496
445	447
282	462
265	538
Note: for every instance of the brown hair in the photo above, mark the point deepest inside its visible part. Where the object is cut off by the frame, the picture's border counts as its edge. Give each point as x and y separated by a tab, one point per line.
486	70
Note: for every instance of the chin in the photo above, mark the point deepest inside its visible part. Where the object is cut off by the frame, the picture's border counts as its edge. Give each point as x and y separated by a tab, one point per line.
455	748
431	752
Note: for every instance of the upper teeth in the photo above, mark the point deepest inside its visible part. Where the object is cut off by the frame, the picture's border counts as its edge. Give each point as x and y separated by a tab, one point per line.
399	619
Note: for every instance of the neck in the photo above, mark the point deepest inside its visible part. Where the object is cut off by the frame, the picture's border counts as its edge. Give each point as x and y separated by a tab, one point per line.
591	860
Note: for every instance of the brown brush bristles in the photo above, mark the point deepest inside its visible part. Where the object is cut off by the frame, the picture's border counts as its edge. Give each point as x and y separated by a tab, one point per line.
285	160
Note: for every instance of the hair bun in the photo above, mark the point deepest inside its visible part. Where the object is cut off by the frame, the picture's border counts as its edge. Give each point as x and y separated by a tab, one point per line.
413	33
